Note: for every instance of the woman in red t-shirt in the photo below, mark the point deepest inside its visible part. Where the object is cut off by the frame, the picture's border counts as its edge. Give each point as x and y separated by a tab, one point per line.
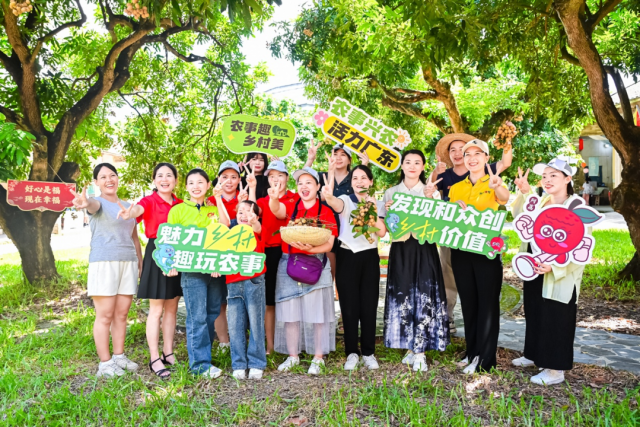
163	292
305	316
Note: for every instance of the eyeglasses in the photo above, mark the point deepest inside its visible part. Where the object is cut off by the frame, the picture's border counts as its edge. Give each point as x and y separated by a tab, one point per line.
477	154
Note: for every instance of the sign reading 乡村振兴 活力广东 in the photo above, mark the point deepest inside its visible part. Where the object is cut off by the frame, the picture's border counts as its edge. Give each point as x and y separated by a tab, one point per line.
360	132
242	133
39	195
445	223
215	249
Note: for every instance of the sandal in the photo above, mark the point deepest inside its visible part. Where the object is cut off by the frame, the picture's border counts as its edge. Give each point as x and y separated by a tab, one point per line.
160	373
164	359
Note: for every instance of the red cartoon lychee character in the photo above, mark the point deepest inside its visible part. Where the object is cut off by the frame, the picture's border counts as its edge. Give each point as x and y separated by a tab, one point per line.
557	234
498	245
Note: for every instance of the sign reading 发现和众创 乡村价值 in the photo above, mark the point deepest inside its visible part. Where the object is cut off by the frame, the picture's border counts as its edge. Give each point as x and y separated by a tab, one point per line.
447	224
245	134
360	132
40	195
215	249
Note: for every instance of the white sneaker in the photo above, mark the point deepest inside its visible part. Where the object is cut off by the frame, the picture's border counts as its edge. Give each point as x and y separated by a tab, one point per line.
255	374
452	327
316	366
419	363
109	369
289	363
212	373
465	361
370	362
523	362
124	363
548	377
240	374
224	346
408	358
471	367
352	362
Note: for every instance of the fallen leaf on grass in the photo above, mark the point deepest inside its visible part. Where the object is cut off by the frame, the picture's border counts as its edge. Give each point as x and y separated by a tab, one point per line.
298	421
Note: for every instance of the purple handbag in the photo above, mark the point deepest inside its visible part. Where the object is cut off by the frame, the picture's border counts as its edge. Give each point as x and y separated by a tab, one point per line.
304	268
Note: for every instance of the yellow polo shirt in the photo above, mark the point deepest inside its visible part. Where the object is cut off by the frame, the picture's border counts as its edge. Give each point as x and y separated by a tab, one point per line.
480	196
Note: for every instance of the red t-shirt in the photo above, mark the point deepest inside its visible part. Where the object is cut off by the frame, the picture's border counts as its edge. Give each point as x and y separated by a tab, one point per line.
271	224
230	205
326	217
232	278
156	211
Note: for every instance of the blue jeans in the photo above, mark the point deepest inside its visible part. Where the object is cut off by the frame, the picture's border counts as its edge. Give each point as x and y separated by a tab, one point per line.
246	302
203	296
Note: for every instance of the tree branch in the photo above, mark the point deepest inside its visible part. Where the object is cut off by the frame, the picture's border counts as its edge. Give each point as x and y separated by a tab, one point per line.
444	95
606	9
414	95
490	126
136	110
14	117
412	110
79	23
564	54
625	104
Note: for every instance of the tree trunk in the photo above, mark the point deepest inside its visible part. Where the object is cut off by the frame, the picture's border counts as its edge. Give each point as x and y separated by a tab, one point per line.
626	201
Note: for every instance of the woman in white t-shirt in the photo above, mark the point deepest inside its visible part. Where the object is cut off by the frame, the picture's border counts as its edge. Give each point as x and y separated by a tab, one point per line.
357	269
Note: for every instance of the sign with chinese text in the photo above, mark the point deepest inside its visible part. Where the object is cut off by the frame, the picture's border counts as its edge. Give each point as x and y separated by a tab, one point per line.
215	249
557	235
246	134
43	196
357	130
447	224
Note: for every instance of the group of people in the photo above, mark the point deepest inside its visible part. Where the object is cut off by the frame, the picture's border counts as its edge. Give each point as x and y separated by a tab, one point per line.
283	314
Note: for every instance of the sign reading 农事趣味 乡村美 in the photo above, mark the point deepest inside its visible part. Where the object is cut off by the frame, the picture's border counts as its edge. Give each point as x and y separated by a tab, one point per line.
360	132
215	249
245	134
40	195
445	223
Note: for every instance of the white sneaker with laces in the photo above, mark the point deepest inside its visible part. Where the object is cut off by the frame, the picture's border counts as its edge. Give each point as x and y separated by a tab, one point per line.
212	373
240	374
408	358
420	363
548	377
471	367
255	374
523	362
124	363
370	362
316	366
109	369
289	363
352	362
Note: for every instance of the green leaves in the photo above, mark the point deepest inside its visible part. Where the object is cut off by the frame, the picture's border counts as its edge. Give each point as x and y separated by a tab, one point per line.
15	148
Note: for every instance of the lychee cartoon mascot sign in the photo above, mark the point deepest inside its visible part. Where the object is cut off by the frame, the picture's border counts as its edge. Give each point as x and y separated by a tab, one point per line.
557	235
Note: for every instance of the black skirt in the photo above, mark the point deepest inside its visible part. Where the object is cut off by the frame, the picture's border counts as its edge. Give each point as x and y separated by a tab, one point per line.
153	283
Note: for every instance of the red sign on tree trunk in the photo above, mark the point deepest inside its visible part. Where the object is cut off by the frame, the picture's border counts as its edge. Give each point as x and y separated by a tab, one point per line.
44	196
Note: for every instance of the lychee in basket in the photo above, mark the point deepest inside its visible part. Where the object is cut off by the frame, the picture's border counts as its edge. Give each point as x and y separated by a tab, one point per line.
314	236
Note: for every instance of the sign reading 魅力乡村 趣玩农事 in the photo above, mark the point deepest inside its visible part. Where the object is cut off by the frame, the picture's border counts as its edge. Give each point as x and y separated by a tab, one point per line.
447	224
215	249
242	134
360	132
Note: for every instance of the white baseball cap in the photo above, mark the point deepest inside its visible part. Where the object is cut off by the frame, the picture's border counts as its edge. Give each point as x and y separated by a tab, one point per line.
228	164
308	171
476	143
278	166
557	164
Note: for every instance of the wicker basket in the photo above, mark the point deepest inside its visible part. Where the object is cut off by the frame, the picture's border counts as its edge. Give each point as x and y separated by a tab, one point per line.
299	233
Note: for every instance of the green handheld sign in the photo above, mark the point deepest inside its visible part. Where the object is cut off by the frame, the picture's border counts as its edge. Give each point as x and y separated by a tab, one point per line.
246	134
445	223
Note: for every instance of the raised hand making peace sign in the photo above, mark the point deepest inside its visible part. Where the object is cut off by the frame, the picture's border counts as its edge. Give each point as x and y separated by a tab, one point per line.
494	180
243	194
430	188
80	201
274	191
125	213
251	180
522	181
312	151
217	190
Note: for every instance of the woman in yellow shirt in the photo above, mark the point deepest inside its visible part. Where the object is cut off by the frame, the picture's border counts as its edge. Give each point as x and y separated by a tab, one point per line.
479	279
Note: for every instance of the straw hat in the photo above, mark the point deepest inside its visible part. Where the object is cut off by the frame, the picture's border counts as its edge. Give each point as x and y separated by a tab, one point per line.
442	149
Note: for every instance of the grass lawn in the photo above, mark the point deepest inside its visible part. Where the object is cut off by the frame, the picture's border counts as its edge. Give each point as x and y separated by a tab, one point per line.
47	363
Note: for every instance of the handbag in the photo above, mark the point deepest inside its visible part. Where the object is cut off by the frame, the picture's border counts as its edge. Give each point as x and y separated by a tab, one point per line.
304	268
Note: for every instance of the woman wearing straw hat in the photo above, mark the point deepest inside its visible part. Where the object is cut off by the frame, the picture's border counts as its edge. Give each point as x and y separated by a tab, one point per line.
450	171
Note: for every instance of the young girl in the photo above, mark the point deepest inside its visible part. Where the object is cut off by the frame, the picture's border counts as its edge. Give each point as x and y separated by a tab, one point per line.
255	165
278	176
305	315
246	301
115	261
357	275
550	300
162	292
415	312
479	279
203	293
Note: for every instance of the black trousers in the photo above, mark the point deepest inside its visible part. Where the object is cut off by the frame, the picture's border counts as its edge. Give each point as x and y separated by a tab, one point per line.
358	283
479	280
273	258
551	328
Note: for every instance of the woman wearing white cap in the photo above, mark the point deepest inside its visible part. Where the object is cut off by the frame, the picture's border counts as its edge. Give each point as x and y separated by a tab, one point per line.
550	299
479	279
305	315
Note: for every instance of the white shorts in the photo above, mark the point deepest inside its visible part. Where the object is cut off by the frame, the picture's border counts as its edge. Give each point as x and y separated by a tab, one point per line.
110	278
